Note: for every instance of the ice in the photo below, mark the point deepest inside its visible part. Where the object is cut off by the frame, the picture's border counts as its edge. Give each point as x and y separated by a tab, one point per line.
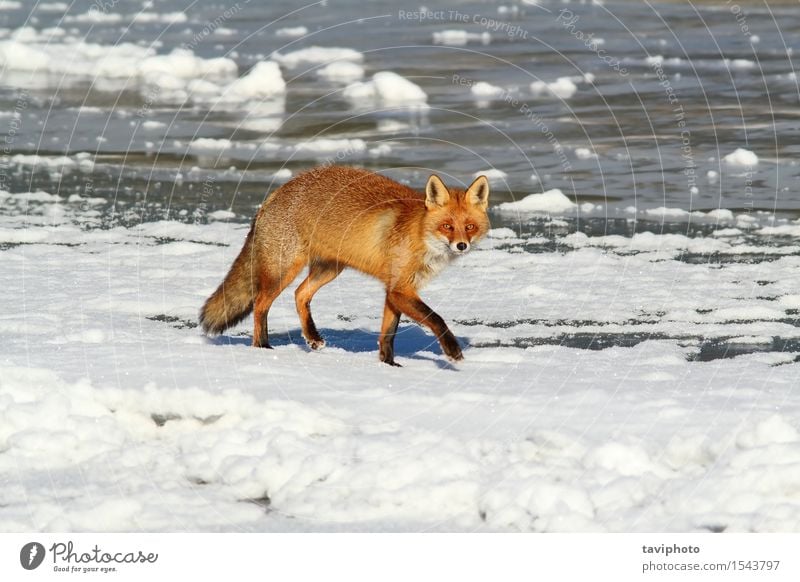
282	174
166	17
316	55
174	77
741	157
331	146
341	71
207	143
264	80
52	6
220	215
386	88
563	87
484	89
292	32
552	202
739	63
584	154
105	17
493	174
94	16
172	72
392	126
460	37
223	31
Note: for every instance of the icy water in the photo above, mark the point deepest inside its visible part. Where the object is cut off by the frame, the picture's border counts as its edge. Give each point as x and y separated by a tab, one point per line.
654	97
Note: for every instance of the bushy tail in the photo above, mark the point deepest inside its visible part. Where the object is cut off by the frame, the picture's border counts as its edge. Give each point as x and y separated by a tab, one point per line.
233	299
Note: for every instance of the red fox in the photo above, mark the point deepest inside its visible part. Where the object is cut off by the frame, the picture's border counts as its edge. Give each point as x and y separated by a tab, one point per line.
333	217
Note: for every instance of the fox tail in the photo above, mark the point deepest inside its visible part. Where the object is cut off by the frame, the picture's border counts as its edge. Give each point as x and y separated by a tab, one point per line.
233	299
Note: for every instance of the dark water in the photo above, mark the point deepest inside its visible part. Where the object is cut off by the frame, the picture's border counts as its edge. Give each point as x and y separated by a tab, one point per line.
674	88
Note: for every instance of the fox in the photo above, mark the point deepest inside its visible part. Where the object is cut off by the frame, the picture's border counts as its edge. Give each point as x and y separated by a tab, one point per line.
335	217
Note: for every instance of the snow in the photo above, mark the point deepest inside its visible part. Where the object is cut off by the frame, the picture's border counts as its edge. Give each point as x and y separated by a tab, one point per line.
118	415
741	157
386	88
563	87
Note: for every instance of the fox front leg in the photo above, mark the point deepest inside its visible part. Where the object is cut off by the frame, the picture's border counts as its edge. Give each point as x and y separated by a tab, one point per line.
409	303
391	318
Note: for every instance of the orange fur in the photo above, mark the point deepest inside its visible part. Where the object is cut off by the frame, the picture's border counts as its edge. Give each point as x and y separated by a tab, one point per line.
333	217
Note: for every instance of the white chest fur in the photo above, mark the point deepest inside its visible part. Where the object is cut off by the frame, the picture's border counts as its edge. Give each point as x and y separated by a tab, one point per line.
437	257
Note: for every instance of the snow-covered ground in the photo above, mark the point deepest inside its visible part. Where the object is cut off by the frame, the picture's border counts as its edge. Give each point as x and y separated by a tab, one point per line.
119	415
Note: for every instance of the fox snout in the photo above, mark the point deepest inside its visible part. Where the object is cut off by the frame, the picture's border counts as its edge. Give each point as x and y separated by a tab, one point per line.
459	247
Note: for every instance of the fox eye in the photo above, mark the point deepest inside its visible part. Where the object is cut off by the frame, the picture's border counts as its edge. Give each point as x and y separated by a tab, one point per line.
447	226
470	227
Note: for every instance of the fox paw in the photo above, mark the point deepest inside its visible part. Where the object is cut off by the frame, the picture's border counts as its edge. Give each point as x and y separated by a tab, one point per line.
316	344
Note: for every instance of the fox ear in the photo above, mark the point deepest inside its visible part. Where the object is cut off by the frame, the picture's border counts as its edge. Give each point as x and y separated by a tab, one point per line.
436	193
478	192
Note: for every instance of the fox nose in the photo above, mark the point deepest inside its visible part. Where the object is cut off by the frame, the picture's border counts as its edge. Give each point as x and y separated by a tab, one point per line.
462	246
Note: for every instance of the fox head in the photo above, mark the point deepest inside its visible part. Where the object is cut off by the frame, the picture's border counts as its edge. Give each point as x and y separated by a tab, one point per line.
456	218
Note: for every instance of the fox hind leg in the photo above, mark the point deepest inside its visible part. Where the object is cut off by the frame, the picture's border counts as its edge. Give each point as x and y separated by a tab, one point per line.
270	285
319	273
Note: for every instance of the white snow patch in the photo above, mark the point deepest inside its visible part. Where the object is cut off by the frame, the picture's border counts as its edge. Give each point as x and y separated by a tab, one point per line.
324	145
292	32
282	174
741	157
264	80
563	87
460	37
222	215
552	201
386	88
315	55
493	174
341	71
585	154
210	144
